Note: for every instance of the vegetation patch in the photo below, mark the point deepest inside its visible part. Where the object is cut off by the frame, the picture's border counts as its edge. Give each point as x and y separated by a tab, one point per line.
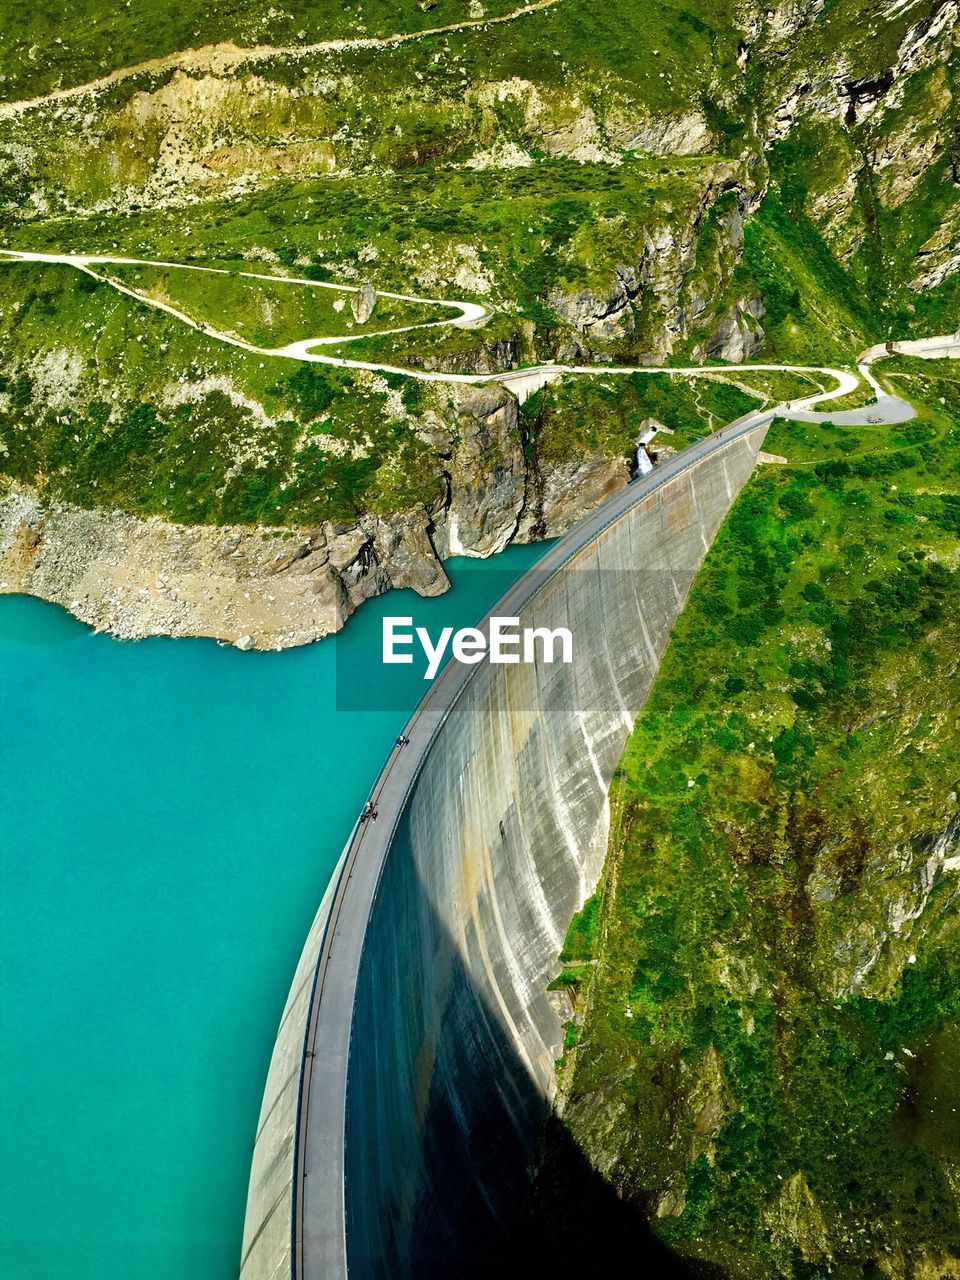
265	313
774	1010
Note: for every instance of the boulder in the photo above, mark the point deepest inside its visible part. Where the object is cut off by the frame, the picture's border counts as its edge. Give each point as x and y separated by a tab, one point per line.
362	303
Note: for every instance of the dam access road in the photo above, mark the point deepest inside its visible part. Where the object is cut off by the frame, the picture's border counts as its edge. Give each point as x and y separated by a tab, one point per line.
522	382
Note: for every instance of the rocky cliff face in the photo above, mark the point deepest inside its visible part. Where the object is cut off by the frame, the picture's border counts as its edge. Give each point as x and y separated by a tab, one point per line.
876	118
486	476
739	333
673	289
254	587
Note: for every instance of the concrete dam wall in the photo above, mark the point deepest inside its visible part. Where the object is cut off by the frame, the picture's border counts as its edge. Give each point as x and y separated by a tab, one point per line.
414	1065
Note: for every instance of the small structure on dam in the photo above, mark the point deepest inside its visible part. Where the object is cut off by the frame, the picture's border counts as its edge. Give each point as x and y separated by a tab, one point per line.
414	1064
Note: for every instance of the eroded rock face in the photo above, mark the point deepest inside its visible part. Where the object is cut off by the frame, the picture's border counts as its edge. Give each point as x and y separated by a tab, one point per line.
796	1220
885	925
739	333
403	546
559	494
684	133
683	266
487	473
262	588
486	357
939	257
603	315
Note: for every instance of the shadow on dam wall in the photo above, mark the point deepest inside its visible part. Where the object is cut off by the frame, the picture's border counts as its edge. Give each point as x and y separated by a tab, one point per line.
413	1075
573	1223
476	1203
454	1033
501	837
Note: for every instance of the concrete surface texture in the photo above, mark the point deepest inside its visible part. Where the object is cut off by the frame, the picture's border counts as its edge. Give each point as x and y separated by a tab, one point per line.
267	1226
415	1062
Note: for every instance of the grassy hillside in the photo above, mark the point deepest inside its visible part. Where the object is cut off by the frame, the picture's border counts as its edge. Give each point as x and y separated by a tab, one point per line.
40	54
546	46
264	313
769	1056
802	157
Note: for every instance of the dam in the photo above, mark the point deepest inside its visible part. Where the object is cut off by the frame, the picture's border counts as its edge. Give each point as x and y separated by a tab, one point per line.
414	1064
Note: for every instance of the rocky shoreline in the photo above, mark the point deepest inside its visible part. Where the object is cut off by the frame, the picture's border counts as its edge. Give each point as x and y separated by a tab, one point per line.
257	588
275	588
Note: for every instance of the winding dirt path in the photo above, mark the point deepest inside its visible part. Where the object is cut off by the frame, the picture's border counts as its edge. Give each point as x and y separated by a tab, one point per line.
221	58
523	382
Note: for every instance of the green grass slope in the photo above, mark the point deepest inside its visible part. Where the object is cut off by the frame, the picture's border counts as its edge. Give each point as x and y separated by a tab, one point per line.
769	1061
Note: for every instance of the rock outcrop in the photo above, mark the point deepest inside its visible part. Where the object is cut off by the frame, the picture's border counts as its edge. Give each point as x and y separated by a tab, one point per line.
255	587
682	267
488	475
603	315
739	333
362	303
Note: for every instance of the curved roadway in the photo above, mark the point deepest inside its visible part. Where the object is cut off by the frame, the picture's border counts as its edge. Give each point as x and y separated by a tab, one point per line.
523	381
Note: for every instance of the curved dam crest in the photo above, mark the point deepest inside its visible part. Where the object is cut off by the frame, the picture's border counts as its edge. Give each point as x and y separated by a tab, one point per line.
414	1064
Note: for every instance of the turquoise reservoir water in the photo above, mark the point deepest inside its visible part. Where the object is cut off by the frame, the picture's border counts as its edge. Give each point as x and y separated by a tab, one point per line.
170	812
